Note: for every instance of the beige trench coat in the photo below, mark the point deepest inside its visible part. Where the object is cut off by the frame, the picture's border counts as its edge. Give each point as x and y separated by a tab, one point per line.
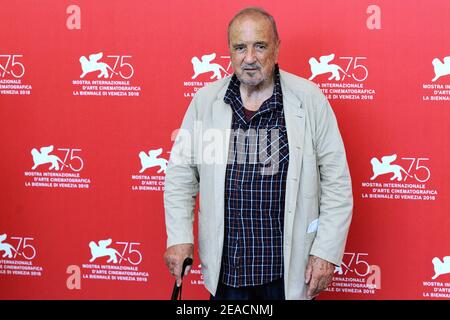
319	201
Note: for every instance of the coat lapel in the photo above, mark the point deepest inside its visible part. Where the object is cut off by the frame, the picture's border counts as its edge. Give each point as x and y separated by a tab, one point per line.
221	117
295	125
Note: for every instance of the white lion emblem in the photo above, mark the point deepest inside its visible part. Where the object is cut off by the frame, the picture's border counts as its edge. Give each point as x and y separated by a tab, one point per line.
101	250
44	157
204	66
152	160
385	166
441	69
441	267
322	67
92	65
9	249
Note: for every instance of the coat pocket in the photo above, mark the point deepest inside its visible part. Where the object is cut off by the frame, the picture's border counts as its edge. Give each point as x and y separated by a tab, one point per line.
310	176
203	242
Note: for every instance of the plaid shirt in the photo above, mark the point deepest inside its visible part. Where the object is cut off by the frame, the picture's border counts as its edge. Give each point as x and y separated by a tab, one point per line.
255	185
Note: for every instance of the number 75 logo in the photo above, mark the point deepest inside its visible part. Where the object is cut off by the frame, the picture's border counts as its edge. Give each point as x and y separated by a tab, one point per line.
9	64
355	264
417	168
22	247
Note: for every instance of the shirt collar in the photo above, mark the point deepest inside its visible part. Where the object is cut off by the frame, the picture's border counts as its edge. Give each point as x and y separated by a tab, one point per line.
233	93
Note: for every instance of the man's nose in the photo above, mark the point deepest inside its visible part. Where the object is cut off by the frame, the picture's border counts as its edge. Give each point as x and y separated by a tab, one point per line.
250	56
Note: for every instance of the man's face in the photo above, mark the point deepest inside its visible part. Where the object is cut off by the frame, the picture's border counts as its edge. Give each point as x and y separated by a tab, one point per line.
254	50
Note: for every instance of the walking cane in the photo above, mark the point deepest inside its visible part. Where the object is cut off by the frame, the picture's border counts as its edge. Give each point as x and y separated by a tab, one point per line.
176	292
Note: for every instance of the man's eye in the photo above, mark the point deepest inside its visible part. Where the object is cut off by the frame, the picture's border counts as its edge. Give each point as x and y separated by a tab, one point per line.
239	48
260	46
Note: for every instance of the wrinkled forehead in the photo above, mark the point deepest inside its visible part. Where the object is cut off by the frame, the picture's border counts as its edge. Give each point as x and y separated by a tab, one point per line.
251	28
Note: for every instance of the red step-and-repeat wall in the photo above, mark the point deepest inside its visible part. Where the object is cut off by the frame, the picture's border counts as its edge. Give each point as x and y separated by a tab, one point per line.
91	92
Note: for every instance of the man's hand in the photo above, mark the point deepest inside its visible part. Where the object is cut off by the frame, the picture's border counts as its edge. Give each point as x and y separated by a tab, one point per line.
319	274
174	258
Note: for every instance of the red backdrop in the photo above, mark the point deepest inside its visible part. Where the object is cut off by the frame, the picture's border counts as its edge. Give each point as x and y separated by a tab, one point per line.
80	160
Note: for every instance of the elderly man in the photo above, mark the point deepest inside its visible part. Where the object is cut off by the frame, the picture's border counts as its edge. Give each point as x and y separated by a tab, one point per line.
275	191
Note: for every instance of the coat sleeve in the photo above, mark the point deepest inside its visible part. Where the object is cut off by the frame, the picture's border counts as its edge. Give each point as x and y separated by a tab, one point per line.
336	198
181	183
